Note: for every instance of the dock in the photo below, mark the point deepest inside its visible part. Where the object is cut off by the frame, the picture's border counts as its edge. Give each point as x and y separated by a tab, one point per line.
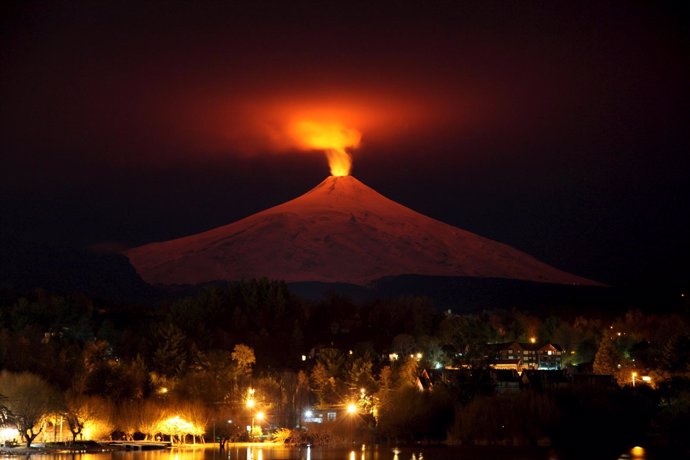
141	445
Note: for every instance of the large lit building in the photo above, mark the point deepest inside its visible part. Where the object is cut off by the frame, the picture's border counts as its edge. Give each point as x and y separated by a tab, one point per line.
521	355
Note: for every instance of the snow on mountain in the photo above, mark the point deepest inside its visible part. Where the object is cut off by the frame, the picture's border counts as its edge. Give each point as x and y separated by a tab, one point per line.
340	231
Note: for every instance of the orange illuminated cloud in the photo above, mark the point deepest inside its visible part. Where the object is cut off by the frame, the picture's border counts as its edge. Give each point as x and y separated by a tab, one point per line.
271	122
333	138
290	120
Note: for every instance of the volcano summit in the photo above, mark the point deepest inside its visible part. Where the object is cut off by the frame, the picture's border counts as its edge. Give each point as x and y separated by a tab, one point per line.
340	231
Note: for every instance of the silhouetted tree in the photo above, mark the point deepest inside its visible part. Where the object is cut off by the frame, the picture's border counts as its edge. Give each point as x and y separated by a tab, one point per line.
404	345
141	416
170	356
301	392
333	360
675	353
29	399
322	384
243	358
607	358
408	372
83	409
209	378
385	378
413	415
360	375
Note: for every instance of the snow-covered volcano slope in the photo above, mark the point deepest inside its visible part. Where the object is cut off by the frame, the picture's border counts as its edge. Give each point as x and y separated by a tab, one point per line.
340	231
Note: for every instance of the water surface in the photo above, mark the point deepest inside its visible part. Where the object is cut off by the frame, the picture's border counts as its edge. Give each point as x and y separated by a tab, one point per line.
272	452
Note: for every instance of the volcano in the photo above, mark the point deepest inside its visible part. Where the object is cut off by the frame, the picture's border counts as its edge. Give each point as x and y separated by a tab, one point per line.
340	231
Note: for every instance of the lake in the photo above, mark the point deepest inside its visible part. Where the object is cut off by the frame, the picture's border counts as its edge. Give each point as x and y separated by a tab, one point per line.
272	452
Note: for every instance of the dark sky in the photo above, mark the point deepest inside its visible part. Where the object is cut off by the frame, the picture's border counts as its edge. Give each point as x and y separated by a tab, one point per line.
560	128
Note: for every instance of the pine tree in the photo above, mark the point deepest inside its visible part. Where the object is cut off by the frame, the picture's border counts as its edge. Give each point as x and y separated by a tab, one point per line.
320	383
607	357
170	357
675	354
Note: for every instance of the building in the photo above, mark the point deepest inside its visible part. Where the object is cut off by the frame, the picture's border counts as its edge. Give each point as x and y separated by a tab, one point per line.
319	415
520	355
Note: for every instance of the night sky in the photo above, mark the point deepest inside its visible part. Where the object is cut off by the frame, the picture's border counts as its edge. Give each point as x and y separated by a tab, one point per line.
559	128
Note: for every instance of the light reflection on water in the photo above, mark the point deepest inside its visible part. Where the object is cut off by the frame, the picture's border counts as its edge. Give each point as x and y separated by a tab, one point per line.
269	452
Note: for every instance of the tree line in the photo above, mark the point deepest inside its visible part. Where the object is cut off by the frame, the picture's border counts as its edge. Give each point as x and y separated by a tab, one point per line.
198	355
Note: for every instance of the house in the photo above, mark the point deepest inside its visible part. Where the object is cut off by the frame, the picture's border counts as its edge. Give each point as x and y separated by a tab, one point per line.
319	415
520	355
424	382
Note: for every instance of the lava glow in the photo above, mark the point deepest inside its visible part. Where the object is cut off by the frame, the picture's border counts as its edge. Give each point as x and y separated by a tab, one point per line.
333	138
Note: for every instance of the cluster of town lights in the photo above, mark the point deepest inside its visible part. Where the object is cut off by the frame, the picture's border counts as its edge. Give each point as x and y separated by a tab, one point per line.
178	427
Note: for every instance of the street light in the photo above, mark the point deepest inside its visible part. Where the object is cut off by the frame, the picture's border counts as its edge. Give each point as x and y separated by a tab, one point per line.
258	416
351	410
250	398
250	403
634	374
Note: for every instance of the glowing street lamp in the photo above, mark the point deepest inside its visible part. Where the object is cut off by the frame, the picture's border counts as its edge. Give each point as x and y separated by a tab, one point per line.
351	410
637	452
259	416
250	402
